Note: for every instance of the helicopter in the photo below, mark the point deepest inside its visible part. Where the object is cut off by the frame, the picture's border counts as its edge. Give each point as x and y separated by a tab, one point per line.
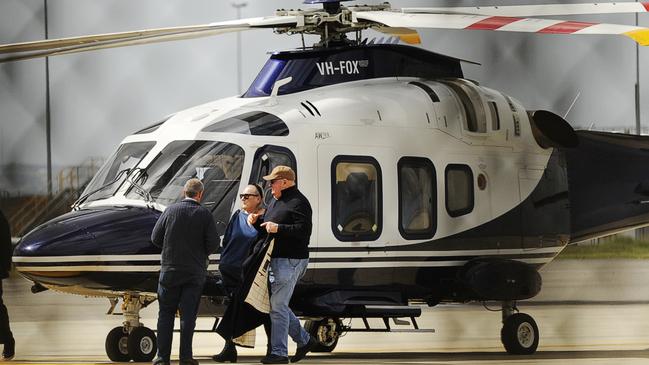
427	187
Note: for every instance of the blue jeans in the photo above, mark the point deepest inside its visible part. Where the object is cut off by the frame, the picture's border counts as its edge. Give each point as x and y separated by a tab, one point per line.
285	274
178	290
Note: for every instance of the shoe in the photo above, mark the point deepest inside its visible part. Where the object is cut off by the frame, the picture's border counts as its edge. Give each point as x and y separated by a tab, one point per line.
159	361
228	354
188	362
274	359
301	351
9	350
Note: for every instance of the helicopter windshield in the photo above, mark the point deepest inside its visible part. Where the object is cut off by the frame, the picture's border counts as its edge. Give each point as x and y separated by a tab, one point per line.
217	164
127	156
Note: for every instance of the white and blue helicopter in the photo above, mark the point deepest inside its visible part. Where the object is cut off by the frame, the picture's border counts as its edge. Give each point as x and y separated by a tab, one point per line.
427	187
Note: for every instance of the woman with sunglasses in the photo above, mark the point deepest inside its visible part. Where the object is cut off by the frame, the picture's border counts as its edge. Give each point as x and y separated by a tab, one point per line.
237	241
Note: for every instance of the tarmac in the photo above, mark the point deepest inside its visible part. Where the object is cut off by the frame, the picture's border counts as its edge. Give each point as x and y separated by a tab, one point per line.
588	312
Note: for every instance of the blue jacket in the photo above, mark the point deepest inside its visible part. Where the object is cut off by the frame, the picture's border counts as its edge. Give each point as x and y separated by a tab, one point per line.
238	240
187	234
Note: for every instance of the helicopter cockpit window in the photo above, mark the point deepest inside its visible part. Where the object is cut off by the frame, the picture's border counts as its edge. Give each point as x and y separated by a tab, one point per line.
256	123
417	198
475	116
217	164
356	190
127	156
459	190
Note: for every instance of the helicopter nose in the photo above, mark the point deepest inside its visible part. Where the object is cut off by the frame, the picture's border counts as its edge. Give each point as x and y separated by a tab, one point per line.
86	237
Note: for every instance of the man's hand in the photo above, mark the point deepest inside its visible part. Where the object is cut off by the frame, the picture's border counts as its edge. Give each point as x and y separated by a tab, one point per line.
271	227
252	218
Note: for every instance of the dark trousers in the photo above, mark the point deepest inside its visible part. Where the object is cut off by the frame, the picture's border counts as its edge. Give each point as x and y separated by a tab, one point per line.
5	331
182	291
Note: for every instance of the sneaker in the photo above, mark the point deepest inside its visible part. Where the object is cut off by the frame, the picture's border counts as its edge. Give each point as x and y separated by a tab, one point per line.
274	359
159	361
9	350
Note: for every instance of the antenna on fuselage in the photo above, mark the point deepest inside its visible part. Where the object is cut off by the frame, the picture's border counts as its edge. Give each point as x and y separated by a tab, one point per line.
276	86
571	105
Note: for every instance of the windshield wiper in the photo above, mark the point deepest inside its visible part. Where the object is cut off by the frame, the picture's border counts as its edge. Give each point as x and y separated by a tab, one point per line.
84	197
139	189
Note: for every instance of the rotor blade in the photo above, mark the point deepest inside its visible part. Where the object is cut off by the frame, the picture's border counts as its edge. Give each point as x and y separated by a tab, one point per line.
539	10
52	47
500	23
407	35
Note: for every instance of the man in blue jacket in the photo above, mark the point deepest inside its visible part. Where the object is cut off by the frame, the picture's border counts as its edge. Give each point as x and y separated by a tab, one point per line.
187	234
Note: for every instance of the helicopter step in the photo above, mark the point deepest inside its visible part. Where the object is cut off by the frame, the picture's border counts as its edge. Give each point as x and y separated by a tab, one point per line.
395	314
327	331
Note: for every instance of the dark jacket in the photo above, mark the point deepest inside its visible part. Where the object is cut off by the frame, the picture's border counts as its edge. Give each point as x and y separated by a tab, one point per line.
241	317
187	235
5	247
292	212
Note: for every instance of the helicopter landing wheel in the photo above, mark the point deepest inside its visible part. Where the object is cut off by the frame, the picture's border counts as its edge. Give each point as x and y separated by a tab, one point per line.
326	332
142	344
520	334
117	345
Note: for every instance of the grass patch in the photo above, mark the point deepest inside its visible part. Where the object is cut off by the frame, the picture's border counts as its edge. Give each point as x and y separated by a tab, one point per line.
616	248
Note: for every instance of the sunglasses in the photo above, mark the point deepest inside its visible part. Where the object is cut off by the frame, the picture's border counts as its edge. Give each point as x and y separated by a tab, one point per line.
246	196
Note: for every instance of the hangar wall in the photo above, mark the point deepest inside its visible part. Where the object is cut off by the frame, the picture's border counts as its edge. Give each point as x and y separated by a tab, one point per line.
98	98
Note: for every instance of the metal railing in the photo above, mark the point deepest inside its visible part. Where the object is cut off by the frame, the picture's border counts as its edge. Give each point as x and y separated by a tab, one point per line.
38	209
25	215
76	177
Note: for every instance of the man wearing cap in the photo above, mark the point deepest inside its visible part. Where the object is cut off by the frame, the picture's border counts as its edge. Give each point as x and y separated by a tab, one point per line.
288	217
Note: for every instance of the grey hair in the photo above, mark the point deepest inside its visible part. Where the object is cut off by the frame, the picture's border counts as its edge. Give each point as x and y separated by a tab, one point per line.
193	187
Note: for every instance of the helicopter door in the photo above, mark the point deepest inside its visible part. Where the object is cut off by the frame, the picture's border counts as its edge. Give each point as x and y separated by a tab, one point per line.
351	205
266	158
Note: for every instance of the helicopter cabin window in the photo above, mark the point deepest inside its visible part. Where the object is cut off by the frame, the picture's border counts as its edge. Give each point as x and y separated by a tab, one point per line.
356	204
459	190
265	160
515	117
113	173
417	198
495	118
217	164
469	95
256	123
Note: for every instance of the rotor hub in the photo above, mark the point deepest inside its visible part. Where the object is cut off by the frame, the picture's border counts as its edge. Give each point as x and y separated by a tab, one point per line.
332	23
